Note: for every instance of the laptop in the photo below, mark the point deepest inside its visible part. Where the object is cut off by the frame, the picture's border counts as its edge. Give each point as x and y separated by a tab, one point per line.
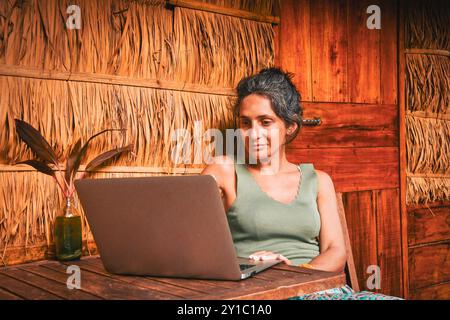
168	226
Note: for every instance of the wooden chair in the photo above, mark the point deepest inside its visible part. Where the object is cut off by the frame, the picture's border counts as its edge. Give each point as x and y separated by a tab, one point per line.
350	269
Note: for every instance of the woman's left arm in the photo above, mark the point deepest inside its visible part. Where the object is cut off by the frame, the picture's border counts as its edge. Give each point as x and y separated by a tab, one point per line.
332	255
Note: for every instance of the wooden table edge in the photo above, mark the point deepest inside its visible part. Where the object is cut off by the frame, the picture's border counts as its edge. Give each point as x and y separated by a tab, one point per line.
284	292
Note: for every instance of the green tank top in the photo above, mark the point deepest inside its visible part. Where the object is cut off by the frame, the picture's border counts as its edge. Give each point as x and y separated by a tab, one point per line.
259	222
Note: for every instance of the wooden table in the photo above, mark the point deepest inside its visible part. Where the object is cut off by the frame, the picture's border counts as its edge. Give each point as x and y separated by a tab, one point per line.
48	280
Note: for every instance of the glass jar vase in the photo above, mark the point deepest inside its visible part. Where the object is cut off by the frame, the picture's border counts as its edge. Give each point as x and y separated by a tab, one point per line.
67	233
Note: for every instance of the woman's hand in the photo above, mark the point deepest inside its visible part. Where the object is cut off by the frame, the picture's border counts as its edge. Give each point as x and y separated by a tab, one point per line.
269	255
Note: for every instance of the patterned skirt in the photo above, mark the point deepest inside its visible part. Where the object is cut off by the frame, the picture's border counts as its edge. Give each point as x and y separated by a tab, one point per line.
344	293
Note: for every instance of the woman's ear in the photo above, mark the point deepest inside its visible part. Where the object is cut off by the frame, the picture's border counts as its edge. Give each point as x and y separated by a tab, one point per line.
291	128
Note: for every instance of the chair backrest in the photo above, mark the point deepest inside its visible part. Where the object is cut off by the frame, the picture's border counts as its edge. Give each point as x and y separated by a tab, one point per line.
350	269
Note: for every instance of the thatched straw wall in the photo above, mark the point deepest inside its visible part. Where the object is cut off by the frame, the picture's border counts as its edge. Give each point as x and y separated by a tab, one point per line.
427	24
136	64
428	101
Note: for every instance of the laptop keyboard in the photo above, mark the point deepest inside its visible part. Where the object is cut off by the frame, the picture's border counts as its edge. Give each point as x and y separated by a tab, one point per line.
245	266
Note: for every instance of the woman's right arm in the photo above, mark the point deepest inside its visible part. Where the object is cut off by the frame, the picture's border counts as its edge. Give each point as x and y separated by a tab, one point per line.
218	169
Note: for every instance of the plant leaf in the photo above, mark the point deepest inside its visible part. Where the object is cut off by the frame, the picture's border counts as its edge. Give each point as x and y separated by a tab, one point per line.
98	160
39	166
83	150
71	161
35	141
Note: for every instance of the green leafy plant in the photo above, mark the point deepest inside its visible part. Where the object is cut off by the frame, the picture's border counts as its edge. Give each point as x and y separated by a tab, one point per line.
48	163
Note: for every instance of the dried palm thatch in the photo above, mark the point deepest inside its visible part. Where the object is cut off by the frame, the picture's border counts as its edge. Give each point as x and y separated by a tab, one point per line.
209	44
422	190
427	101
427	24
263	7
116	37
428	145
428	156
127	38
427	83
124	38
150	116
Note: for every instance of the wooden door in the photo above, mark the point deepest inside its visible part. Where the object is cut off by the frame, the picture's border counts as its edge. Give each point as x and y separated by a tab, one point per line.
347	76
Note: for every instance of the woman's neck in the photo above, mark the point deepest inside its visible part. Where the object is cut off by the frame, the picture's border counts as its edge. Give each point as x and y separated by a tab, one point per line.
273	165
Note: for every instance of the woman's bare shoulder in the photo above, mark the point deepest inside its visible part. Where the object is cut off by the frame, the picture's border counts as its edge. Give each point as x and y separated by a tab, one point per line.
325	182
321	174
224	160
220	167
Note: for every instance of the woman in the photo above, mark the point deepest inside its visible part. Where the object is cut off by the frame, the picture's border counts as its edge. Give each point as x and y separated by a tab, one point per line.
277	209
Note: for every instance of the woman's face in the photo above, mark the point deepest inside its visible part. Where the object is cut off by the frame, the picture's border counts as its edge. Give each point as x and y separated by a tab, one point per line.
263	131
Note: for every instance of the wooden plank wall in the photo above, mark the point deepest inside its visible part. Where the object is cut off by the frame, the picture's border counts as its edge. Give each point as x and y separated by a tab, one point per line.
347	75
427	245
